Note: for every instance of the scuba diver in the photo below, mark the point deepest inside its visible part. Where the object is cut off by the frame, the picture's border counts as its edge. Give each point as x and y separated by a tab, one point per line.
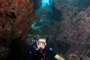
39	49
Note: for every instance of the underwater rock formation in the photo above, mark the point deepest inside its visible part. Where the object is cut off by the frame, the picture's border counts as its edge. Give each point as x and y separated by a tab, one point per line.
37	4
16	17
4	52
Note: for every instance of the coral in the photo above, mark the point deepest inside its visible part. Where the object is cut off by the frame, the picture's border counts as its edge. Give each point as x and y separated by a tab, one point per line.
15	17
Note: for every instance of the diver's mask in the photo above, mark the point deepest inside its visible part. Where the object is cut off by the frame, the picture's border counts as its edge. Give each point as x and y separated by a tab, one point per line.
41	42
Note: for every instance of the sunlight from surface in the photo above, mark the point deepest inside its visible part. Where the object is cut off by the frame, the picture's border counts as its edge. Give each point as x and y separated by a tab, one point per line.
45	2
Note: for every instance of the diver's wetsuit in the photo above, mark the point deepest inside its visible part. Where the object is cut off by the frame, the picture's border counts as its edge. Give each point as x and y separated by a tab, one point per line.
37	56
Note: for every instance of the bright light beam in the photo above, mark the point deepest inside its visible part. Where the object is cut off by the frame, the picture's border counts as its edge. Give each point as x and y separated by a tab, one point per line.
45	2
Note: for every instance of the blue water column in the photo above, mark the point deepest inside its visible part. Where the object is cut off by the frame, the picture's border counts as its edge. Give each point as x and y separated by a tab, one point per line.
44	4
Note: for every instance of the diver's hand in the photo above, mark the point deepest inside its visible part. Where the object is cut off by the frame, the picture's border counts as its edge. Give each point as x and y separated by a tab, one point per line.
59	57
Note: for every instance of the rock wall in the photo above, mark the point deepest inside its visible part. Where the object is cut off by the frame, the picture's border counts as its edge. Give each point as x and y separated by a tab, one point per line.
16	17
